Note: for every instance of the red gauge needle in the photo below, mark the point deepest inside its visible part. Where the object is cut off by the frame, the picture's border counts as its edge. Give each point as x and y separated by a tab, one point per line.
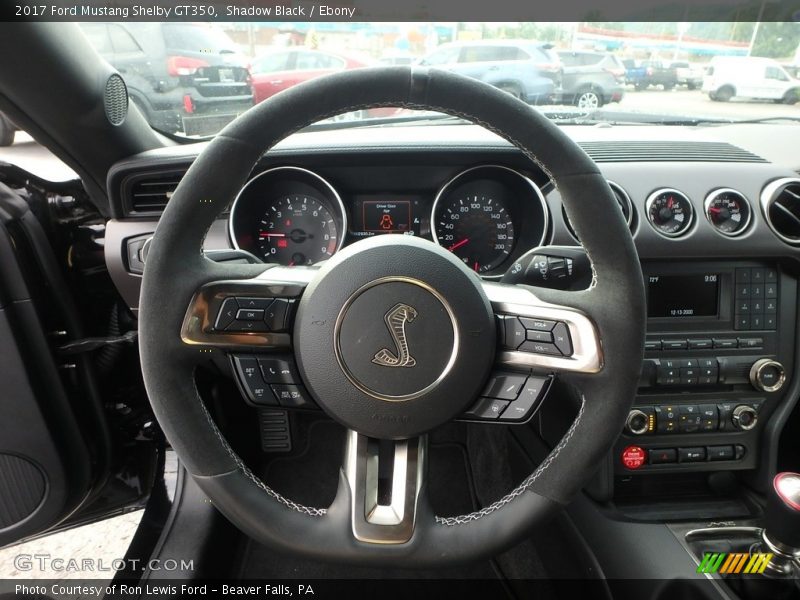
714	209
269	235
458	244
476	266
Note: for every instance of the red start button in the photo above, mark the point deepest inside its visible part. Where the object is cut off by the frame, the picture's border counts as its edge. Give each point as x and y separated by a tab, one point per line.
633	457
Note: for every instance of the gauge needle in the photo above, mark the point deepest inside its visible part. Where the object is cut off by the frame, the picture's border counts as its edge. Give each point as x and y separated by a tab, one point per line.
476	266
268	235
458	244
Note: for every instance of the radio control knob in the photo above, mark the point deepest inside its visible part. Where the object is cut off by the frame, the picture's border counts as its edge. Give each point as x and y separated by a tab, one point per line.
744	417
636	422
767	375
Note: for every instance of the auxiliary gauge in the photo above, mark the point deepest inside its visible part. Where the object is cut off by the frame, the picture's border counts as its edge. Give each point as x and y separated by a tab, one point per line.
728	211
669	212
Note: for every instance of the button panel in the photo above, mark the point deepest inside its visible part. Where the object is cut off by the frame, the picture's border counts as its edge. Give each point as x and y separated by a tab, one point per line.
246	314
268	380
756	299
508	398
693	418
538	336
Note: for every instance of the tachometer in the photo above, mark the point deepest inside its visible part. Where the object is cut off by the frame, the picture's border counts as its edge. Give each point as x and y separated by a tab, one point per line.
297	230
669	212
477	229
728	211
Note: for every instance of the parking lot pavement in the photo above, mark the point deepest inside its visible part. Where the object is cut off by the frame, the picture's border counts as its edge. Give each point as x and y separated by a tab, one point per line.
696	104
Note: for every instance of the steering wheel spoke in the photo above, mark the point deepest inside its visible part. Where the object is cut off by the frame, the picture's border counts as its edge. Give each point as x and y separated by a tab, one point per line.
535	334
385	479
246	314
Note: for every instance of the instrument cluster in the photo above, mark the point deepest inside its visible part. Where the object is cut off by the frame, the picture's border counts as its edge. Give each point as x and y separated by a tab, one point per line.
486	215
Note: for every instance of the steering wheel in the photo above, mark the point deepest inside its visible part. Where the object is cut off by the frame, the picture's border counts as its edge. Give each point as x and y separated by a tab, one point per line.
444	321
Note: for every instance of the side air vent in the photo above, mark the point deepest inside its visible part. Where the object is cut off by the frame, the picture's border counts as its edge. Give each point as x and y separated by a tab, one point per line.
625	205
780	202
149	194
655	151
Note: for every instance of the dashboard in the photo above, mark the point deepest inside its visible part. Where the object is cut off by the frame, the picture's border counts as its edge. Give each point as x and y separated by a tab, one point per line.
714	213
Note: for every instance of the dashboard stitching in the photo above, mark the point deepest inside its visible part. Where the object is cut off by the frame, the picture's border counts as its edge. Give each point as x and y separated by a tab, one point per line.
306	510
521	488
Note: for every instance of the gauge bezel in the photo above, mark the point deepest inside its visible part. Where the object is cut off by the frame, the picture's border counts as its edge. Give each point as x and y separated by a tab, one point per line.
336	205
619	191
453	181
713	196
652	198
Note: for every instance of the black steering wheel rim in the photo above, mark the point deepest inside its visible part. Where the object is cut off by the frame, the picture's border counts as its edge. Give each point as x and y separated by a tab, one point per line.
176	268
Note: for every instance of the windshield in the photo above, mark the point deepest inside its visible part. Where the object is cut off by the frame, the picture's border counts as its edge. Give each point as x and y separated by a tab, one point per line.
191	79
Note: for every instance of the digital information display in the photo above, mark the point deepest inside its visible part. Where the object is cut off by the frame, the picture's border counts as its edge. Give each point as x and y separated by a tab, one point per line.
683	295
379	216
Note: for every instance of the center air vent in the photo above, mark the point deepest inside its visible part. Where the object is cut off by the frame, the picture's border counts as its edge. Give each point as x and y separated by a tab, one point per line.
780	202
149	194
625	206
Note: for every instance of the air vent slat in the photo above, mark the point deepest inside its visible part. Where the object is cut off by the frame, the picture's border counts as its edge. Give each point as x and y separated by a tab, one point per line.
664	151
150	193
781	203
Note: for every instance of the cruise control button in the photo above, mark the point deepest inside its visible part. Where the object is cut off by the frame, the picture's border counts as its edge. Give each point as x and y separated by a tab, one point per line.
540	348
504	386
531	394
227	314
278	370
537	324
691	454
561	339
487	408
292	396
250	381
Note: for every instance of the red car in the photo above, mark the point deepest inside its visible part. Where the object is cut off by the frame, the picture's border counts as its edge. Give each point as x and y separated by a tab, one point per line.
281	69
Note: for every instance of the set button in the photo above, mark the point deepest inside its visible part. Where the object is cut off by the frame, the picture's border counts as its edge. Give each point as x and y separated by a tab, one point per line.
271	381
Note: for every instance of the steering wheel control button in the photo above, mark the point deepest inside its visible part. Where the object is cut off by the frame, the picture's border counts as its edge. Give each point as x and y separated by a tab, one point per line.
277	315
487	409
561	339
515	332
250	314
227	314
537	324
292	396
540	348
634	457
663	456
505	386
538	336
278	370
251	383
245	326
529	399
254	303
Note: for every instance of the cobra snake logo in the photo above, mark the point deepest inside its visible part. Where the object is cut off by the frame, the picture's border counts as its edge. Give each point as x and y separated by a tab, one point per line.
396	320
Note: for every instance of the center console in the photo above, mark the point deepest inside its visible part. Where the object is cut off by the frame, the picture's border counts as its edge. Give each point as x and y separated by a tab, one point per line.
718	360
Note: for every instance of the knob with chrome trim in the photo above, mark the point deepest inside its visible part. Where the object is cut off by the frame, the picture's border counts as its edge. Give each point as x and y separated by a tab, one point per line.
767	375
637	422
744	417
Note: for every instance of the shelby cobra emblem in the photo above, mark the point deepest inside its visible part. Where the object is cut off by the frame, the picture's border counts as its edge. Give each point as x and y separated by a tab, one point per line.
396	320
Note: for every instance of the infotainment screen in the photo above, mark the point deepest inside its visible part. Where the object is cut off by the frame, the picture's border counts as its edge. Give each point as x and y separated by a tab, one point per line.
683	295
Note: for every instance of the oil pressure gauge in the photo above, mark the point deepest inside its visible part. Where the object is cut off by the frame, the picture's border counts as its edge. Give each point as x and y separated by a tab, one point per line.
728	211
669	212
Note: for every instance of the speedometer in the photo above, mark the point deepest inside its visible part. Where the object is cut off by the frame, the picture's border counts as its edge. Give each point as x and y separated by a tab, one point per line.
297	230
477	229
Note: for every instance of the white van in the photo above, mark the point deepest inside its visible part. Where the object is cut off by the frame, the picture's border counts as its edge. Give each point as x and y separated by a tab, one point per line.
749	77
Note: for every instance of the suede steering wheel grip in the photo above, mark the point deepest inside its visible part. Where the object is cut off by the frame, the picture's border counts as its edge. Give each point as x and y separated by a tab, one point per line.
176	269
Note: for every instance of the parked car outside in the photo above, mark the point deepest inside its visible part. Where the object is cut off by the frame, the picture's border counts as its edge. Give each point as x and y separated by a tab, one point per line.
282	68
397	57
688	74
185	77
750	77
643	74
7	131
525	69
591	79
